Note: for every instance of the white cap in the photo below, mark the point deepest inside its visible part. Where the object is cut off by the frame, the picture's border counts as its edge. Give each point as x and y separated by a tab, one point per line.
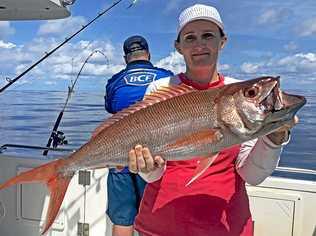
199	12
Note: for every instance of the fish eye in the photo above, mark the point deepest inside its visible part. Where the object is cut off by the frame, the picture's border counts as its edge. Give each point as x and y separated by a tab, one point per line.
251	92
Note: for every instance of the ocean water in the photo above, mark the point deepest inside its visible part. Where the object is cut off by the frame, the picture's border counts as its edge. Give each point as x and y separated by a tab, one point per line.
27	117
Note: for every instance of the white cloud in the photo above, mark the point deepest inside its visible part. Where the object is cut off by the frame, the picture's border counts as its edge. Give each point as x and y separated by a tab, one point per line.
61	27
308	27
173	62
305	63
6	29
67	61
64	64
6	45
296	64
272	16
223	67
50	83
250	68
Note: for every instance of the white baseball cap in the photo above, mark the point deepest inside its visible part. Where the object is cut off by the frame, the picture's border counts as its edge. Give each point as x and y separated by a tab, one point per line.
199	12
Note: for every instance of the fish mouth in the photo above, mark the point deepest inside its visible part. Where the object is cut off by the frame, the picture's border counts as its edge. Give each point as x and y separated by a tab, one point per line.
276	100
281	109
282	106
272	101
291	105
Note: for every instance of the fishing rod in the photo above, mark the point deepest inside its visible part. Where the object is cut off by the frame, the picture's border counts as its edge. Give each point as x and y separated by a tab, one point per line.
12	81
57	137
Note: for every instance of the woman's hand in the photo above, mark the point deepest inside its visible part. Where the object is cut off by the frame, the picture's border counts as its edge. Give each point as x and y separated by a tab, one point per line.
282	134
141	160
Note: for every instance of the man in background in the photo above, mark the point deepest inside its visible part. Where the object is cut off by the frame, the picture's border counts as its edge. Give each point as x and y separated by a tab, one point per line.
125	189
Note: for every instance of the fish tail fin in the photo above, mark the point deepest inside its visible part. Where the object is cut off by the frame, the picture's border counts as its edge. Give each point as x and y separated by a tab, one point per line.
56	182
57	188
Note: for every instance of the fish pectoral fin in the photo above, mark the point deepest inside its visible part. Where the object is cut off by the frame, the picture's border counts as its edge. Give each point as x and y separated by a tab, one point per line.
205	136
203	165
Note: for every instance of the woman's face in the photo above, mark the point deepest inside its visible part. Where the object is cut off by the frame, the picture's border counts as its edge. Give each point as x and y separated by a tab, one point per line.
200	42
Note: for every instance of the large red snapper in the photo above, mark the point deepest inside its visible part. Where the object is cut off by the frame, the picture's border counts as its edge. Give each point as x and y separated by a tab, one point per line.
177	123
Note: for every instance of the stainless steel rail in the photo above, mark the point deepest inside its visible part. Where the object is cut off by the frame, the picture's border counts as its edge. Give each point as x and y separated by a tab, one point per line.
5	146
296	170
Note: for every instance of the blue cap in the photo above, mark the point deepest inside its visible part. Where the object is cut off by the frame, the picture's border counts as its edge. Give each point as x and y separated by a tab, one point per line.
135	43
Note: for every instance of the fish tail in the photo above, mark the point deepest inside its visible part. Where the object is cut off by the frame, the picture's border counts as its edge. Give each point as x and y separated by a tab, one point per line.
56	182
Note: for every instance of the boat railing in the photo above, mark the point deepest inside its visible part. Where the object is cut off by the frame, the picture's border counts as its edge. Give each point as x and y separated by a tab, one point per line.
54	149
295	170
9	145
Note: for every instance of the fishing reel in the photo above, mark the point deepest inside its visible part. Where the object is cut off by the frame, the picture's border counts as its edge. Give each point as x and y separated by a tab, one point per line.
59	138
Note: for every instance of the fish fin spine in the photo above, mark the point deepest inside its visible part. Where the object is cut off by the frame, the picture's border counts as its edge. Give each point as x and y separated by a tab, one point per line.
203	165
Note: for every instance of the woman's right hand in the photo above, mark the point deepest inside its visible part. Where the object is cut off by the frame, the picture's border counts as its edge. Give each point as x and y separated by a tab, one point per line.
141	160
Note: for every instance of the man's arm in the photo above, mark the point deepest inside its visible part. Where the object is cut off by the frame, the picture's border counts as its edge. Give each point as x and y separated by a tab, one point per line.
107	97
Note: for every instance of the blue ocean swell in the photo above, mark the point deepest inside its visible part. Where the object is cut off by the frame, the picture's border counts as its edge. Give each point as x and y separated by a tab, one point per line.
27	117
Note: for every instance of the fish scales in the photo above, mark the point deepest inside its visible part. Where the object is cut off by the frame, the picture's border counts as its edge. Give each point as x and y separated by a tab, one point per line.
164	122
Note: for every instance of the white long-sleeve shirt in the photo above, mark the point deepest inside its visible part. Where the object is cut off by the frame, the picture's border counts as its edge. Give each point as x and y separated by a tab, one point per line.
256	160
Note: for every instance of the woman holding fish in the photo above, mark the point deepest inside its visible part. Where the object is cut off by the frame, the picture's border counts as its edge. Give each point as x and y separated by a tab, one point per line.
216	203
218	125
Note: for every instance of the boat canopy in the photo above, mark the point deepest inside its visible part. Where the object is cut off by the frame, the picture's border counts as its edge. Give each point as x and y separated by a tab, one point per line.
34	9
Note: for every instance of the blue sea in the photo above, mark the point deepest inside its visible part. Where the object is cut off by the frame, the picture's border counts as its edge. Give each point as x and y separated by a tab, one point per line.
28	117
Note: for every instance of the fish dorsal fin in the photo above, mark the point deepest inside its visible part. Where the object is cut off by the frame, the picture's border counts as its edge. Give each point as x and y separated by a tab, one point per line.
162	94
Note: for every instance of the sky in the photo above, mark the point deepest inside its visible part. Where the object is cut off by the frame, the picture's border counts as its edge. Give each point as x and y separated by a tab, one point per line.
271	37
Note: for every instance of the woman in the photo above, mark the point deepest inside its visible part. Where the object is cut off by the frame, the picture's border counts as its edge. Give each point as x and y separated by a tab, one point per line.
217	203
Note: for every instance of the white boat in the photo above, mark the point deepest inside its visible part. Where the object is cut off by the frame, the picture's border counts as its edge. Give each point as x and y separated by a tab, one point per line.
280	206
34	9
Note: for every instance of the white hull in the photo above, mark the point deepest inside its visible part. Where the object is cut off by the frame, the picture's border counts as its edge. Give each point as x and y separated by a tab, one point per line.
284	207
280	206
23	207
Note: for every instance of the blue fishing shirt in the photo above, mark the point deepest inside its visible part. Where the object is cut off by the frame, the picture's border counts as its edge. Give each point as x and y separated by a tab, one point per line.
130	84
